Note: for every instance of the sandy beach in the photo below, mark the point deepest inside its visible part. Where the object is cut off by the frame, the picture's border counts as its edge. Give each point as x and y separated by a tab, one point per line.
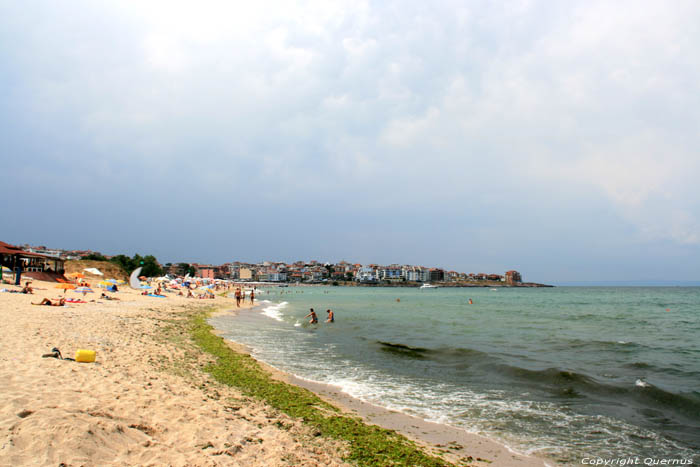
138	404
146	401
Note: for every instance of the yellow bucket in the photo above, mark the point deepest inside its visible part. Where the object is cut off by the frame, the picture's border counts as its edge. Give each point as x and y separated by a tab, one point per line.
85	356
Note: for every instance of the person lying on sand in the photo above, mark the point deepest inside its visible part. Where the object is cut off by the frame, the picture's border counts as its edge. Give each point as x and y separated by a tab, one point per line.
107	297
48	302
27	288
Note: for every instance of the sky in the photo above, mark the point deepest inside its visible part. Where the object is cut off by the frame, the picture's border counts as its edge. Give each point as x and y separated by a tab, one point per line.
560	139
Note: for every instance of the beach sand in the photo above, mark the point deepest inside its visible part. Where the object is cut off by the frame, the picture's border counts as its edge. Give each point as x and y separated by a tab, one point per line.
146	400
137	404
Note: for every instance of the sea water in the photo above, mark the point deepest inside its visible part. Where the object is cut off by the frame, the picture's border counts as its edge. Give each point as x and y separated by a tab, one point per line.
565	373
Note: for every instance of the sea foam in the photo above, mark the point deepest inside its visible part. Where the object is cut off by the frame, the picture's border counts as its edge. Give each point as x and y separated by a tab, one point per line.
274	311
641	384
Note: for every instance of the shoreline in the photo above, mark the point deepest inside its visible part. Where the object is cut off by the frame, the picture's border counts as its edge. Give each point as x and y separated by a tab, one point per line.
436	438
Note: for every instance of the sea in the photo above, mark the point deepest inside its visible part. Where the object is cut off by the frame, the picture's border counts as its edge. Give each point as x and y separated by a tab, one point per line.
565	373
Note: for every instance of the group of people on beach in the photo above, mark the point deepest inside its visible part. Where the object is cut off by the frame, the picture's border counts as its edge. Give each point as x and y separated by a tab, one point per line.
314	318
240	296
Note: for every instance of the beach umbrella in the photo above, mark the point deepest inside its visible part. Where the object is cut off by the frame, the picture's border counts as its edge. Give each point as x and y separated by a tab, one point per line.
104	284
84	290
6	270
76	275
65	286
112	281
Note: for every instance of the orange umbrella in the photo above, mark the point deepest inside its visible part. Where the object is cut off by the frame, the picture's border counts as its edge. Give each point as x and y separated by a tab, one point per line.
77	275
65	286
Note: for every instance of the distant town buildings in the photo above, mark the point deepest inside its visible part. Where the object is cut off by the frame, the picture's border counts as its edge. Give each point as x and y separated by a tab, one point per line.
513	278
307	271
316	272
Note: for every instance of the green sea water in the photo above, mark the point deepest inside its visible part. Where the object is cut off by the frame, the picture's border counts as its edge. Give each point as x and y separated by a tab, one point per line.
565	373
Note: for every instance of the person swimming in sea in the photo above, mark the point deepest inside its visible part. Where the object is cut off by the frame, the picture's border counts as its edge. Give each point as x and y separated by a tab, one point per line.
331	318
314	318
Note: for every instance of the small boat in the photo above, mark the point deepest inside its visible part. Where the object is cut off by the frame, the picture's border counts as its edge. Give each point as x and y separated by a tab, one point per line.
428	286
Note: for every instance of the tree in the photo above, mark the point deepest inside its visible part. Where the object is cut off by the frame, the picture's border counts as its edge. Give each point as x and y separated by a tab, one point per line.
149	263
184	269
151	268
94	257
123	261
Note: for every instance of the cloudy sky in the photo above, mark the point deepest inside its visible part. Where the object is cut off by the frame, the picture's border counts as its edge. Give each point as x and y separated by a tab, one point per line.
561	139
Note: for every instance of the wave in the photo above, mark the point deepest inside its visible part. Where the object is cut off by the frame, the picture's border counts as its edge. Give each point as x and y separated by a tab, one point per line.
275	311
403	350
592	345
441	355
637	394
687	404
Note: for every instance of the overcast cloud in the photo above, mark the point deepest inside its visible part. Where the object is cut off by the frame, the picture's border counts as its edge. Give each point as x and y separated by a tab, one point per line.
557	138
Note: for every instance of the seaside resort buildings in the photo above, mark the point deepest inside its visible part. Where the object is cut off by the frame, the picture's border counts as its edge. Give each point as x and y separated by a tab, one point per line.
342	272
42	258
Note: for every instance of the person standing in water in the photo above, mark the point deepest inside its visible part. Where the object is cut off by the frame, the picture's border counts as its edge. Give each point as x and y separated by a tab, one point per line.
252	296
314	318
470	302
331	318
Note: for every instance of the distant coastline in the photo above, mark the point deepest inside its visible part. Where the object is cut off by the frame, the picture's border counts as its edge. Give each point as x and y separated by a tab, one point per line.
481	284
